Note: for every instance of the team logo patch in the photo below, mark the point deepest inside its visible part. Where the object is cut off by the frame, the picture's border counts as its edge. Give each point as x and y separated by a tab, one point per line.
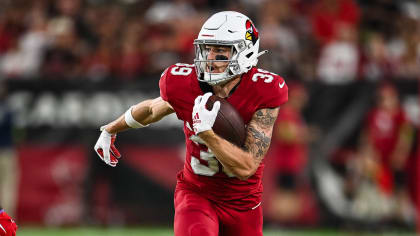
251	32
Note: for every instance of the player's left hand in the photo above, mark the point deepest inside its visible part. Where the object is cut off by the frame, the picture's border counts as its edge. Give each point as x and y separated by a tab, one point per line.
203	119
8	226
105	148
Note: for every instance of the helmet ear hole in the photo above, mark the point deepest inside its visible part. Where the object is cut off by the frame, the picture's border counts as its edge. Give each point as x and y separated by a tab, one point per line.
249	54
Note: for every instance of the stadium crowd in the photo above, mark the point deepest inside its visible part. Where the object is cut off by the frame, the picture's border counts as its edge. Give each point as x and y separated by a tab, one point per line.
330	40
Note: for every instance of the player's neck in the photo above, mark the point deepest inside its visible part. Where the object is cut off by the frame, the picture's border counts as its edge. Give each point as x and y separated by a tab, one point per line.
223	90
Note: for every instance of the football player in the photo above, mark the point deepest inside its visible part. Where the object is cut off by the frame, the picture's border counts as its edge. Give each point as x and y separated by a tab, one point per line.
219	190
8	226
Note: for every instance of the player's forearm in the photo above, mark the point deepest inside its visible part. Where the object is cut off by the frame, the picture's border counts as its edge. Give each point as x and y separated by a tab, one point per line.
239	162
140	112
151	111
146	112
117	126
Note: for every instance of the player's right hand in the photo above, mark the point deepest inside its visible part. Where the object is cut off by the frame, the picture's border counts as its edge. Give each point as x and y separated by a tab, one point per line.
204	119
8	226
106	149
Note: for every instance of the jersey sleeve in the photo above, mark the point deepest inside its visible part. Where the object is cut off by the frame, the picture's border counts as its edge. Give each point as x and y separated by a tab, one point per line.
273	94
169	86
163	85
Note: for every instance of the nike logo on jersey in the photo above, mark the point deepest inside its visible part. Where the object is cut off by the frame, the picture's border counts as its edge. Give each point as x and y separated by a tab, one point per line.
258	203
282	84
1	226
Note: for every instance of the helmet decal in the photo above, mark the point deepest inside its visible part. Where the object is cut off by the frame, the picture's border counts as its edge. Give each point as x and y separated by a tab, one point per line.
251	32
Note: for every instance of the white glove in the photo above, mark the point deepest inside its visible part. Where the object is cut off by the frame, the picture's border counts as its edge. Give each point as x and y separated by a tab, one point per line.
106	149
203	119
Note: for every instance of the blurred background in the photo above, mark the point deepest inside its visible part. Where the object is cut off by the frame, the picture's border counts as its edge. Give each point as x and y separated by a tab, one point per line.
344	154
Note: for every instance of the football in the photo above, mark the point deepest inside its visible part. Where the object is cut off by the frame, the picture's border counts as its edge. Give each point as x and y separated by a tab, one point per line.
229	124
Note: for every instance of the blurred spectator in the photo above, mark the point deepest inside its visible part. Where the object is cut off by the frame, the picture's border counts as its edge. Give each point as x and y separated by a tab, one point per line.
290	140
329	15
10	27
33	43
10	61
8	160
106	23
62	57
380	16
385	148
278	37
163	11
132	61
160	46
185	33
99	64
339	60
24	58
408	65
125	39
376	64
396	22
173	26
73	9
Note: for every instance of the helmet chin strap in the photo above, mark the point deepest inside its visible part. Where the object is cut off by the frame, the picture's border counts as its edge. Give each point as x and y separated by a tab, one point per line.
215	78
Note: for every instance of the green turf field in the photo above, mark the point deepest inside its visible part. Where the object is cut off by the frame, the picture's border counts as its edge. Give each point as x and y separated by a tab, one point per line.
35	231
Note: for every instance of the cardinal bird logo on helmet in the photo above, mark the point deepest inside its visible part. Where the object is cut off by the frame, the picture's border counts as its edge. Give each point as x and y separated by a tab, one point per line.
251	32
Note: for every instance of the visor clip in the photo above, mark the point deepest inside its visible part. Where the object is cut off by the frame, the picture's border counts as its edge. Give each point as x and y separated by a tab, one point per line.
262	53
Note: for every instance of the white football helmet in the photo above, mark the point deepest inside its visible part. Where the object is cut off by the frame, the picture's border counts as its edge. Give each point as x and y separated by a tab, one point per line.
227	28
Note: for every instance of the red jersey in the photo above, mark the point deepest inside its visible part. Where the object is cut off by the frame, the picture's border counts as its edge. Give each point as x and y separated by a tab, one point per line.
202	172
384	131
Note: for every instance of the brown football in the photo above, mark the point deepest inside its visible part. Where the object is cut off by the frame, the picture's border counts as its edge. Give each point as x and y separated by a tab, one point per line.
229	124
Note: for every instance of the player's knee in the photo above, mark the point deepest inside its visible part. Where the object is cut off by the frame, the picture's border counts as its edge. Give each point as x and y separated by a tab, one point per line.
195	229
200	229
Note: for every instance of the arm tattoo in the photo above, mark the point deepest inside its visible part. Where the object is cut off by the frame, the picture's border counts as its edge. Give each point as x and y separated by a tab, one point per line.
259	133
258	142
266	117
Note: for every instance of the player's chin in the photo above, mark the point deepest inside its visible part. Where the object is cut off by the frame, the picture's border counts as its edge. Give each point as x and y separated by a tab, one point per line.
216	68
216	71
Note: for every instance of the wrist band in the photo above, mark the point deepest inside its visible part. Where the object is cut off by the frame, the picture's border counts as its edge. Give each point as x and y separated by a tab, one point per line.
131	122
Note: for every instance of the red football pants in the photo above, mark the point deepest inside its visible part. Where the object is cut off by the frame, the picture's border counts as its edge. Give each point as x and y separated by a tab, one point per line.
197	216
